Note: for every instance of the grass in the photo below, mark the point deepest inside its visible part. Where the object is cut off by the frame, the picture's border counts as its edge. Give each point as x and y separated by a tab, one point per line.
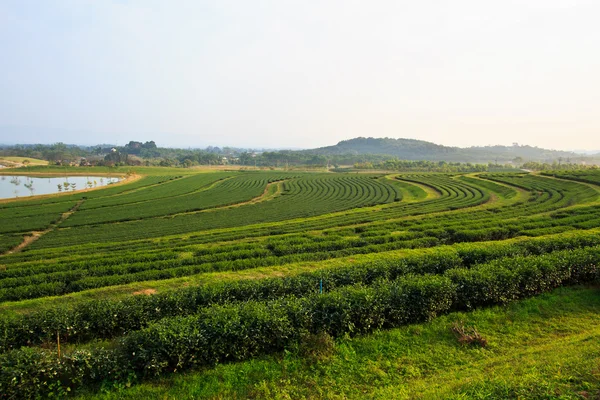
19	160
542	348
413	192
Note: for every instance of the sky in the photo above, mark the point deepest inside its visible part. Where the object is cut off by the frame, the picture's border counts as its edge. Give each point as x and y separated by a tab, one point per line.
300	74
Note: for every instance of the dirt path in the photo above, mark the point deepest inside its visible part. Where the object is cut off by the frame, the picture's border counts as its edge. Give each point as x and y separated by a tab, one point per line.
27	240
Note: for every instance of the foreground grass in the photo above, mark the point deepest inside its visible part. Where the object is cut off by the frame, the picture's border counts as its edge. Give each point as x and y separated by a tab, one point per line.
542	348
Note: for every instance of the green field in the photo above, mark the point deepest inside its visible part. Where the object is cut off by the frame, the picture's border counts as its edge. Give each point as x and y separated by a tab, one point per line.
292	284
22	160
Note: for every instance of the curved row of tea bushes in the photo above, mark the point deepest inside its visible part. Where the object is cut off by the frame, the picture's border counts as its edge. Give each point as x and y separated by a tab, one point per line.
479	225
490	216
513	217
355	309
27	283
240	331
9	241
336	221
242	188
60	283
100	319
272	251
397	211
285	207
27	219
56	279
226	192
505	192
77	234
105	318
435	205
562	192
587	176
173	188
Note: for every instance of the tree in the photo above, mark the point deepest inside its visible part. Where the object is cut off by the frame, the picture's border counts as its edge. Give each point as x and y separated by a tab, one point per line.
116	157
246	158
133	147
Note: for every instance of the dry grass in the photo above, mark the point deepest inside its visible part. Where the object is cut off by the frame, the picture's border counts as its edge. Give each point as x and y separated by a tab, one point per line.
467	336
146	292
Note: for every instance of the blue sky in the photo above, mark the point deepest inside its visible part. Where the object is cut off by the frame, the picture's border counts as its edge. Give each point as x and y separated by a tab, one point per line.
300	73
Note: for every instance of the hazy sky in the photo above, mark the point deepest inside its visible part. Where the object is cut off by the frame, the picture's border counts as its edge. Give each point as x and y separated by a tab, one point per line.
300	73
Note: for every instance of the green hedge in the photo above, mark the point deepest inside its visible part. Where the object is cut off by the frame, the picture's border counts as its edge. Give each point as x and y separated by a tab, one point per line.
507	279
225	333
100	319
108	318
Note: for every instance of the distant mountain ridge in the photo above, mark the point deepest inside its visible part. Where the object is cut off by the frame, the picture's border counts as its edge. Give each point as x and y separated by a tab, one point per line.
413	149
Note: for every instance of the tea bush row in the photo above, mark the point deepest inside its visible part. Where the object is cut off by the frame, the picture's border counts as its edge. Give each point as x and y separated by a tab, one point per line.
108	318
21	282
240	331
300	204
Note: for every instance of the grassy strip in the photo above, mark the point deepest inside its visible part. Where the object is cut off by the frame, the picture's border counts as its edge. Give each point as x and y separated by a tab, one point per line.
413	192
545	347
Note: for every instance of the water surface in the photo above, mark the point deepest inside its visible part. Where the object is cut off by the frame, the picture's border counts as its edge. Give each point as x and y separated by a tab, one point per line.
26	186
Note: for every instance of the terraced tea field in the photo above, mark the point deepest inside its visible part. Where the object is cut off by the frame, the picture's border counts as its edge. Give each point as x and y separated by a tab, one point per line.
179	271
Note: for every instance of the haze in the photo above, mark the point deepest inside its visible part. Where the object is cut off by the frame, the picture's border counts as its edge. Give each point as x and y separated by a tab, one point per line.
300	74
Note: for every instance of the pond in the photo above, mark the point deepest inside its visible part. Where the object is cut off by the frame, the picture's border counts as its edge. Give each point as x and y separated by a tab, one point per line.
26	186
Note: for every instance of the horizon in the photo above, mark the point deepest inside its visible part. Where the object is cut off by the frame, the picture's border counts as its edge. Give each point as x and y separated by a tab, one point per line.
298	75
583	152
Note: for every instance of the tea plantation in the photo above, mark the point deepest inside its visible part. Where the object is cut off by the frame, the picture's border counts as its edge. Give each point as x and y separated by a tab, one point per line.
104	289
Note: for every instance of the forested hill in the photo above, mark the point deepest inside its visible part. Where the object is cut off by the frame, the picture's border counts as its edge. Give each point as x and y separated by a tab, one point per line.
411	149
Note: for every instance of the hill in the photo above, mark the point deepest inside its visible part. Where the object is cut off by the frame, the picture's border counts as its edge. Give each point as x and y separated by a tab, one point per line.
412	149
